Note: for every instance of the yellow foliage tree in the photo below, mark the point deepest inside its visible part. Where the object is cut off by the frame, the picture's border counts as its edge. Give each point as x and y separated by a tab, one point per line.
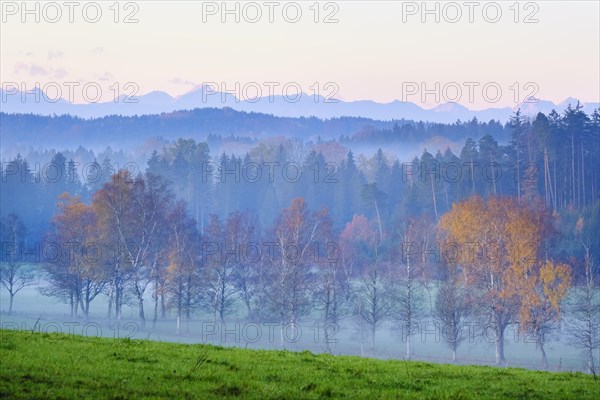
497	247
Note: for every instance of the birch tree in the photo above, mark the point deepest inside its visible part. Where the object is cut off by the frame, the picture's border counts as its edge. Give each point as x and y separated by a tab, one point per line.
15	274
132	209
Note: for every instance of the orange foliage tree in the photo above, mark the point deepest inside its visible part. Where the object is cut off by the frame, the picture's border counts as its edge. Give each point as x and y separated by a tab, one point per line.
77	273
497	249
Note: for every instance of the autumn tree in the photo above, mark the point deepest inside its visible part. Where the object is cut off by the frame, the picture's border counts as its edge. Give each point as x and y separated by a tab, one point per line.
359	241
74	272
541	300
355	247
539	284
131	210
498	244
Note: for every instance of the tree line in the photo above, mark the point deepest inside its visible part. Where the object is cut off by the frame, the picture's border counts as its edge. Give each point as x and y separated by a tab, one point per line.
485	262
192	232
552	157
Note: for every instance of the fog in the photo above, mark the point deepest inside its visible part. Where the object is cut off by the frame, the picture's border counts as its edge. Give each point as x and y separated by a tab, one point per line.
36	312
357	228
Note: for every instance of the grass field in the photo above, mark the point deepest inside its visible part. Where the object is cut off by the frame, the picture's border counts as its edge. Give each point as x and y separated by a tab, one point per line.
48	365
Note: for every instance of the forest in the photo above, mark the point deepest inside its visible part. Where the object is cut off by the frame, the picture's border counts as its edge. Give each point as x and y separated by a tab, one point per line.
500	233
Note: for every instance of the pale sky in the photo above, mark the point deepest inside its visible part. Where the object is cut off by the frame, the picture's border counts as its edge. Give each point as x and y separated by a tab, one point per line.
370	53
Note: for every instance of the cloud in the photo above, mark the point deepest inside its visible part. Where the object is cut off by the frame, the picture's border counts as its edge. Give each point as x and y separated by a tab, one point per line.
106	76
60	73
55	54
20	67
37	70
180	81
98	50
30	69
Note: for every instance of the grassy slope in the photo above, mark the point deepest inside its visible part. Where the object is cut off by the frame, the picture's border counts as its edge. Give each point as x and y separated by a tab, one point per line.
41	365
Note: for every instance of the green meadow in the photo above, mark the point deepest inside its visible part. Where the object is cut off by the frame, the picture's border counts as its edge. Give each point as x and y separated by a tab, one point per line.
53	366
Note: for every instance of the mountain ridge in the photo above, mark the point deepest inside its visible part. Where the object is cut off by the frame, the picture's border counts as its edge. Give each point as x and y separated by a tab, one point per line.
157	102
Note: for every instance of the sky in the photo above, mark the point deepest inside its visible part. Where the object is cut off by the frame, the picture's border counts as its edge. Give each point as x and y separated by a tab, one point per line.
375	50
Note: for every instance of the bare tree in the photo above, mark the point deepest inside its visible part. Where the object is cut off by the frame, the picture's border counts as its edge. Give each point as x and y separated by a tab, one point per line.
219	258
253	280
15	274
118	272
407	291
331	294
372	303
151	201
159	277
361	326
584	326
296	233
407	309
451	311
183	272
111	205
425	236
248	271
541	326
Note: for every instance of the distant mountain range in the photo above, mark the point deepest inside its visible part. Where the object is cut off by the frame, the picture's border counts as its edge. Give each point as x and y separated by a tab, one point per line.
37	102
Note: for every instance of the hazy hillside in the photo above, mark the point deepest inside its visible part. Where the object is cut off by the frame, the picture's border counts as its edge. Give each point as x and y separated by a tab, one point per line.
301	105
